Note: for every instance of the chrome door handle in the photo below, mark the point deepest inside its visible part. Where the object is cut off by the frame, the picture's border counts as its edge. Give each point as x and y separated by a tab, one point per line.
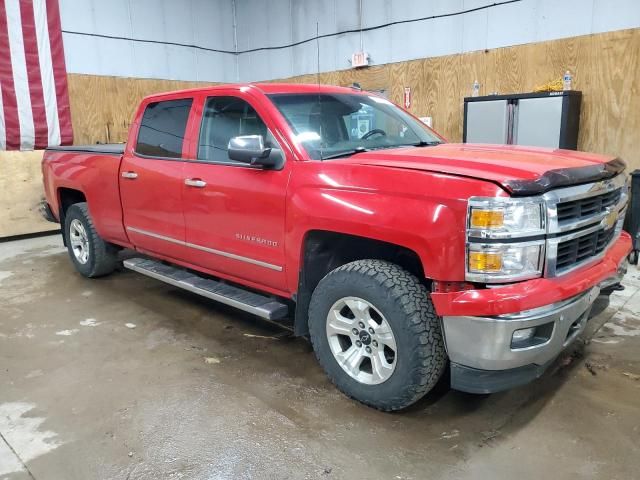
129	175
195	182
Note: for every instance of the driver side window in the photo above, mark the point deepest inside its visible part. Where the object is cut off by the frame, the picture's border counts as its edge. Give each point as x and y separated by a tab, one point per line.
224	118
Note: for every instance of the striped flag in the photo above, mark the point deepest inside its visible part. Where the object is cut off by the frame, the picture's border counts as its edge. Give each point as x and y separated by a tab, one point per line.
34	99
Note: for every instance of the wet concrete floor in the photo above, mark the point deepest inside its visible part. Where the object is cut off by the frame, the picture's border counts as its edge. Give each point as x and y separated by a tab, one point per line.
127	378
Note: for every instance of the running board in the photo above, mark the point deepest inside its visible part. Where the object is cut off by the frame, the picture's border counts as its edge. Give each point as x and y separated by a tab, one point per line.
260	305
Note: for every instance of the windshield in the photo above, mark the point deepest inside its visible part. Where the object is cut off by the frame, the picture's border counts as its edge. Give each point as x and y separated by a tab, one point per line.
341	124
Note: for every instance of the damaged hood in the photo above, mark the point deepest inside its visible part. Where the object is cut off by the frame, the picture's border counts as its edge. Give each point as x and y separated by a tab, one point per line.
520	170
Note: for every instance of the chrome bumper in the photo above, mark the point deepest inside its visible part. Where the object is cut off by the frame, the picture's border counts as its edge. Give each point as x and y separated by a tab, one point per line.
485	343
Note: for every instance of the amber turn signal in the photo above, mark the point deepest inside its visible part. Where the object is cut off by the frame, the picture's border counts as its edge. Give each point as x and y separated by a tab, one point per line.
486	218
485	262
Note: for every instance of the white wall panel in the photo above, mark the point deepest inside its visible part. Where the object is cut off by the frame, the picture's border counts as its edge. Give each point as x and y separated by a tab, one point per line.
215	67
116	61
378	43
342	47
442	36
260	23
568	18
111	18
208	23
511	24
615	15
212	23
474	26
77	15
81	54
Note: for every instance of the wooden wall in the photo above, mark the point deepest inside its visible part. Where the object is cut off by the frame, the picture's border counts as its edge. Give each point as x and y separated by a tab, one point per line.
20	194
606	68
102	107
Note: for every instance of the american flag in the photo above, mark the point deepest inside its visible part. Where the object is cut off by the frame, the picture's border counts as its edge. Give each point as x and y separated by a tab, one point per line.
34	99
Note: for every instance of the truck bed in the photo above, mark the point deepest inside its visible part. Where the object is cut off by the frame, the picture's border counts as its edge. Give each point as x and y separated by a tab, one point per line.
89	172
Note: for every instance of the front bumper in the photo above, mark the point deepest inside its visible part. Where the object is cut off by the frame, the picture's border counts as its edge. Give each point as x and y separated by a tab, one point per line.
484	358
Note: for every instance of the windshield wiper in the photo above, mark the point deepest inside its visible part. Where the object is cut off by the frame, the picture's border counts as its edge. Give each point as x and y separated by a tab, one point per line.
423	143
346	153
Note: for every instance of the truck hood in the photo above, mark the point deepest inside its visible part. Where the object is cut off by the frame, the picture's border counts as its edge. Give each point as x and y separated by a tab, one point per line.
519	170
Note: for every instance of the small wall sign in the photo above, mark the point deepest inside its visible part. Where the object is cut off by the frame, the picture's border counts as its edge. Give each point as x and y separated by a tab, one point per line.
407	97
359	59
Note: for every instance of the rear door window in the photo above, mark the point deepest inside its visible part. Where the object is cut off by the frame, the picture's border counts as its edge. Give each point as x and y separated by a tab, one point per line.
162	128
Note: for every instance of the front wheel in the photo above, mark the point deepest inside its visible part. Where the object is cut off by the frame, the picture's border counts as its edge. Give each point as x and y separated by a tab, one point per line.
376	334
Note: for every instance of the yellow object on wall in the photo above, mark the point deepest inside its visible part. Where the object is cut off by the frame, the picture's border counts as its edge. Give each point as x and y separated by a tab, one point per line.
551	86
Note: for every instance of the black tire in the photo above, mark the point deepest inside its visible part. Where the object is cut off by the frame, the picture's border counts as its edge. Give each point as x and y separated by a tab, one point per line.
102	259
406	305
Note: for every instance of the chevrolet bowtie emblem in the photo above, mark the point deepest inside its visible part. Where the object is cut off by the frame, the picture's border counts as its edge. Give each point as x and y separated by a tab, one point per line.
610	219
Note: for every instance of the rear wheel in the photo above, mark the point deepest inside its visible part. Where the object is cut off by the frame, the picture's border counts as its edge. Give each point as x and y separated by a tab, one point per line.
90	254
376	334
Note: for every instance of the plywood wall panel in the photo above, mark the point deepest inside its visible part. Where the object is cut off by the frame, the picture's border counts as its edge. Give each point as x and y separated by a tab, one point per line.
20	194
446	100
611	118
102	107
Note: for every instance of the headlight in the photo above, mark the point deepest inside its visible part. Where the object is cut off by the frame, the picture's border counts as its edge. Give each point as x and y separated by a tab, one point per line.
505	239
505	217
491	262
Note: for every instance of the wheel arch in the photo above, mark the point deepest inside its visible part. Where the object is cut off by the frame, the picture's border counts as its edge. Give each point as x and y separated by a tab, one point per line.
324	251
66	198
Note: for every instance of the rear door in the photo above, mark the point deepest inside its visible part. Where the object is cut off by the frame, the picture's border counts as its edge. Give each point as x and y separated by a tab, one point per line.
235	213
151	179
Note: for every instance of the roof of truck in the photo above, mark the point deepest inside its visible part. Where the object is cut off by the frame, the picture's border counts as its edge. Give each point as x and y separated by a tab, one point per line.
266	88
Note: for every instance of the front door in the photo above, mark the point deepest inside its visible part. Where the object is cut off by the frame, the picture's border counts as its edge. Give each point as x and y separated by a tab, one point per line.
234	213
151	180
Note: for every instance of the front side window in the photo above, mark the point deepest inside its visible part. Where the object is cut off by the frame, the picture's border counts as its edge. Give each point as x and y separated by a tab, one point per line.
341	124
224	118
162	128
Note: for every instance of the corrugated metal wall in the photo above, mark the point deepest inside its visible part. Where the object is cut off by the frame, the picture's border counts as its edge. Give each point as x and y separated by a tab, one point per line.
277	22
207	23
260	23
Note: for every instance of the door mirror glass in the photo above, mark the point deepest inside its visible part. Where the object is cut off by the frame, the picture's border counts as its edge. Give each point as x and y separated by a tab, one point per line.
250	149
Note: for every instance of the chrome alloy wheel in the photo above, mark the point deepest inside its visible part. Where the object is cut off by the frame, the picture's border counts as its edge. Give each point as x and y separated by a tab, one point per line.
361	340
79	241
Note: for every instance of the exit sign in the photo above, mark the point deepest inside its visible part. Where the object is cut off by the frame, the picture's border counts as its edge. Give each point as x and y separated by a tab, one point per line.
360	59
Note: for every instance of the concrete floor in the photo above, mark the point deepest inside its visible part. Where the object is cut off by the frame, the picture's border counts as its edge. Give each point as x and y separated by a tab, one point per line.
125	377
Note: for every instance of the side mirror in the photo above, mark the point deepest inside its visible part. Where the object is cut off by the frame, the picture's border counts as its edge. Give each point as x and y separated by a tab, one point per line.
250	149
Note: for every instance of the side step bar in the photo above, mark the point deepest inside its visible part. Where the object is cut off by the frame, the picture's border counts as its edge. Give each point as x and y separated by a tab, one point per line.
260	305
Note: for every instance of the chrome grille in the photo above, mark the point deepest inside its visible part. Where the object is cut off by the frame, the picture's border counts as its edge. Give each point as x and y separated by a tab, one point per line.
587	207
571	252
583	221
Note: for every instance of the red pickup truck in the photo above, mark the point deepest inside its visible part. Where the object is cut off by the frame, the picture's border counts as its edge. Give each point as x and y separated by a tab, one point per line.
331	208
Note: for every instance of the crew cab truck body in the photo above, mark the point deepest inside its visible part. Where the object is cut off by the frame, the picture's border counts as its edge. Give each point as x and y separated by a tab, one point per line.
394	251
